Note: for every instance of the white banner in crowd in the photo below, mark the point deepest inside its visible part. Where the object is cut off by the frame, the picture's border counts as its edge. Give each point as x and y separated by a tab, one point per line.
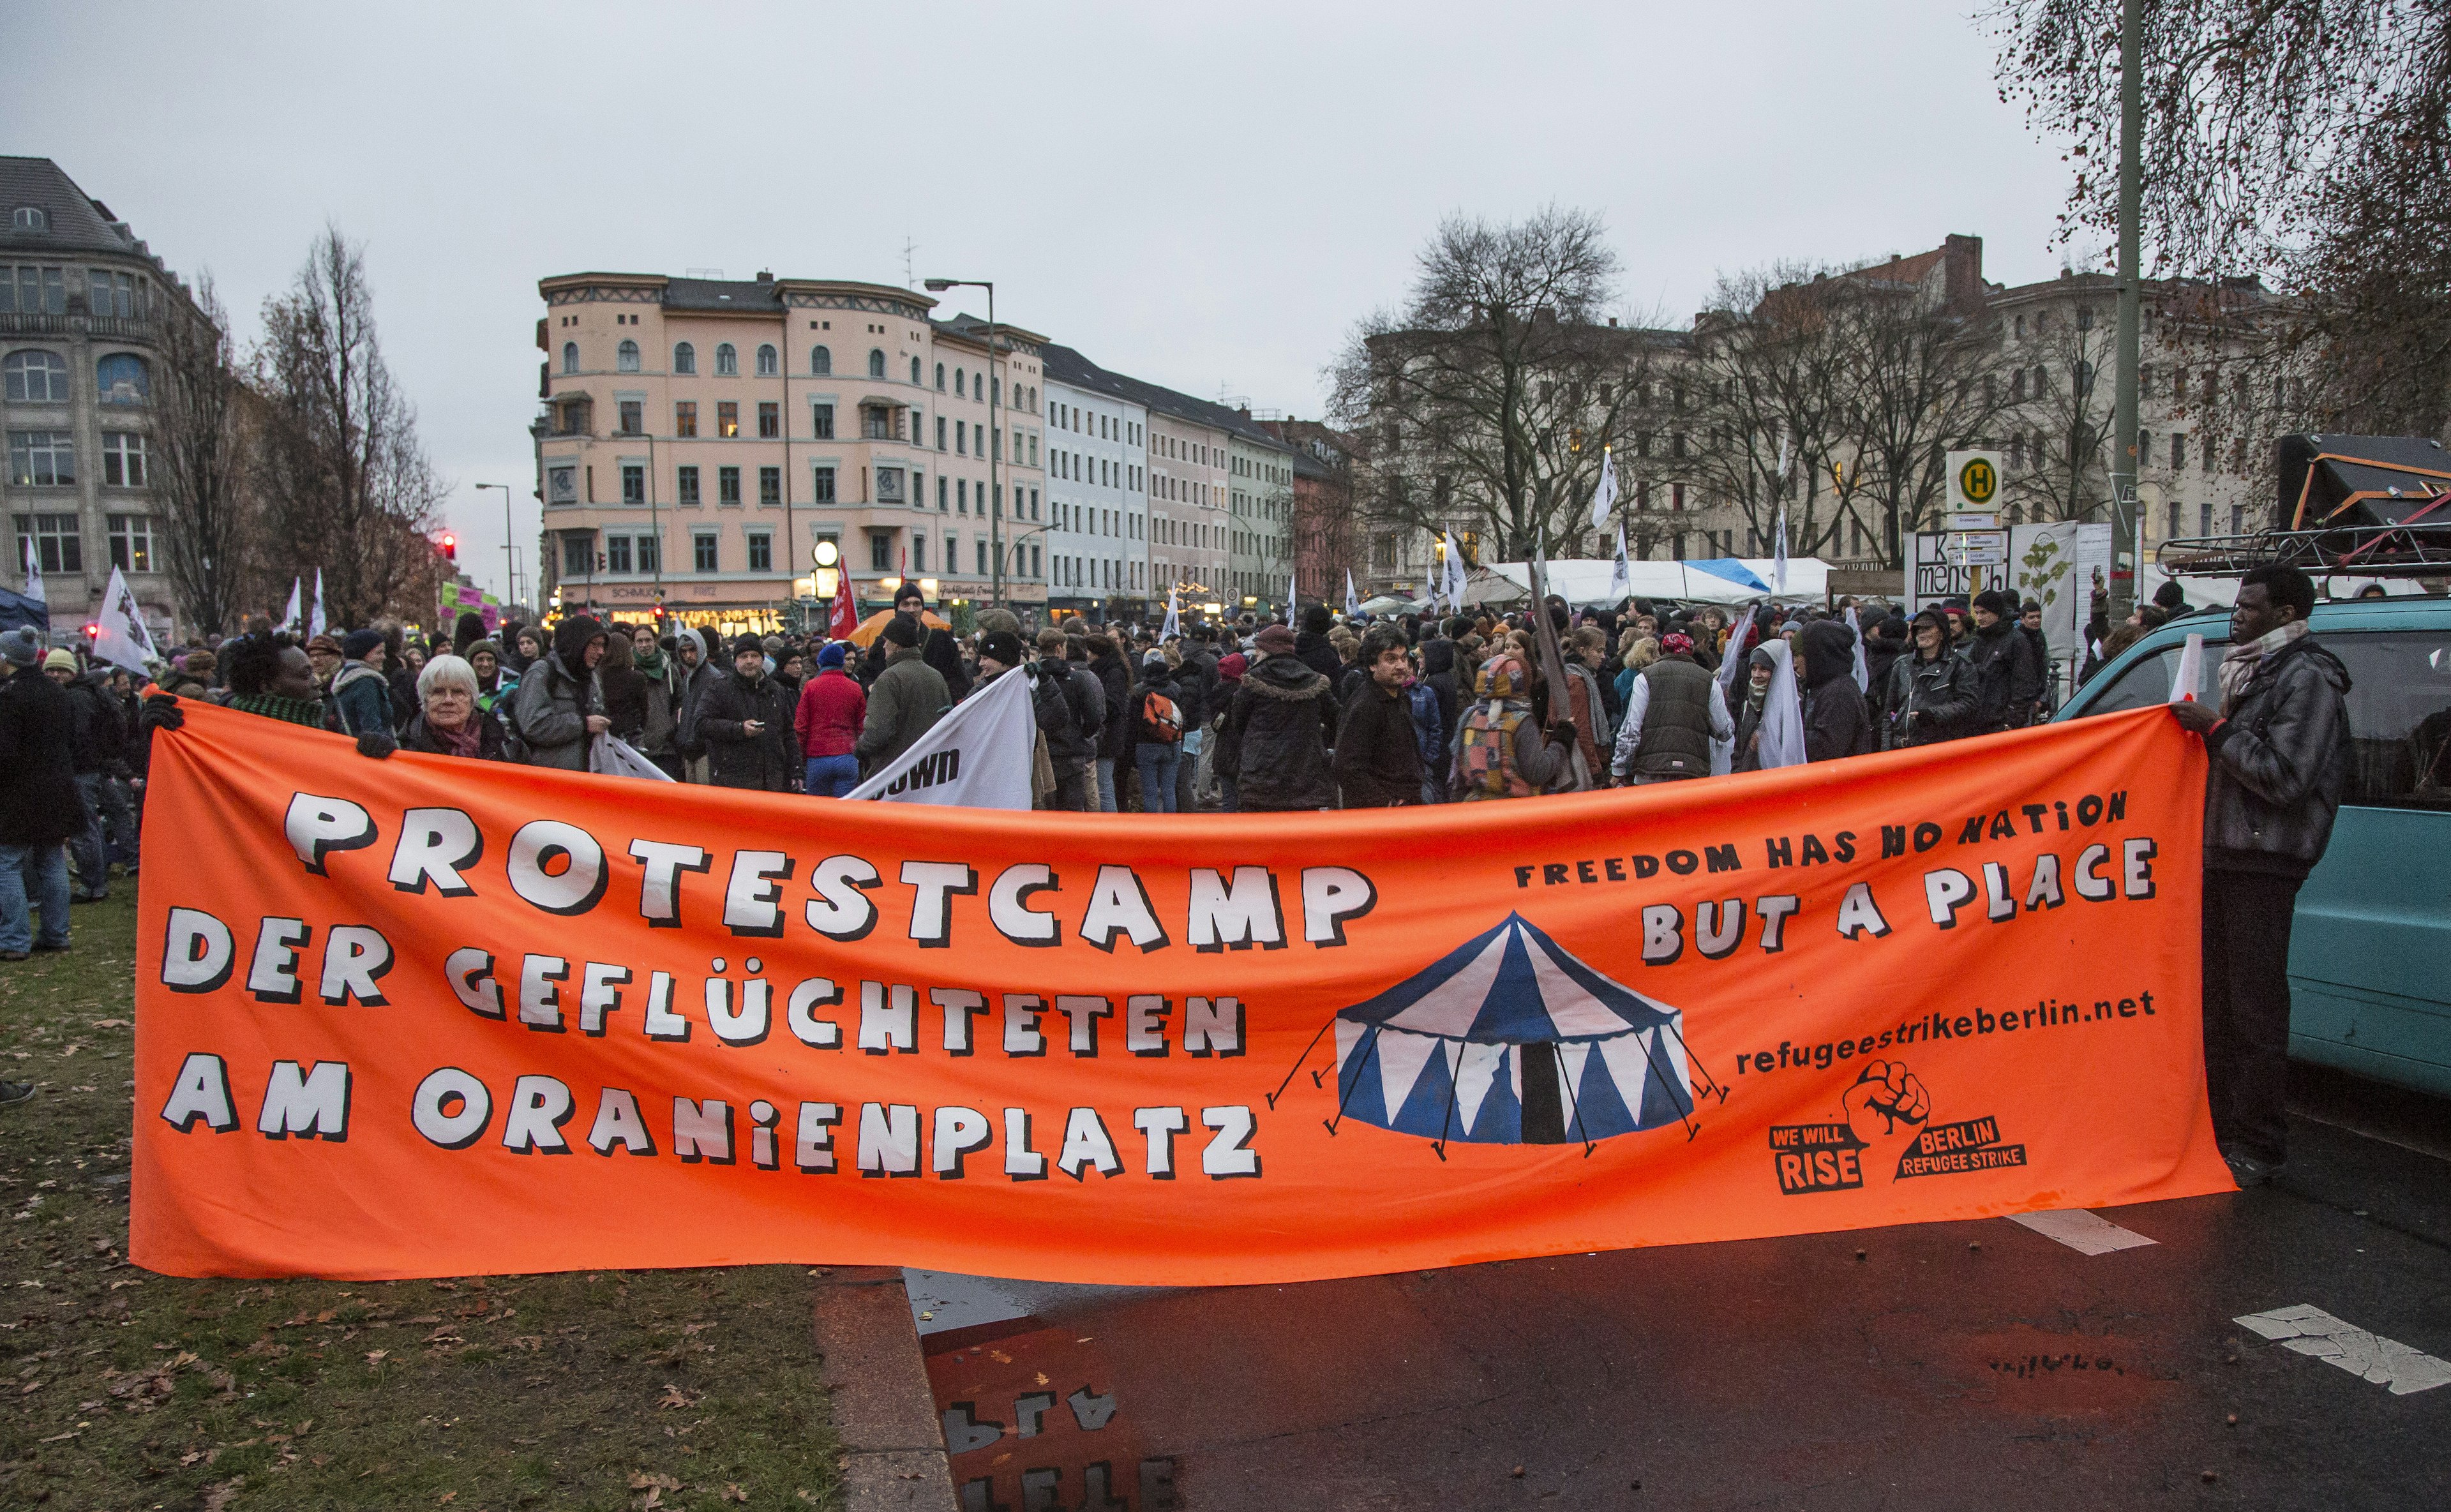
613	757
120	637
977	757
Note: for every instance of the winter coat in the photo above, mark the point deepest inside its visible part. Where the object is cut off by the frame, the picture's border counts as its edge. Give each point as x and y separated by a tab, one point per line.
693	685
492	739
1377	762
1881	653
1127	717
1115	735
405	701
625	693
97	741
1439	670
768	760
1319	653
833	709
1939	694
1198	688
904	703
362	697
1071	722
1276	735
2280	764
1836	723
39	802
550	712
2011	676
940	651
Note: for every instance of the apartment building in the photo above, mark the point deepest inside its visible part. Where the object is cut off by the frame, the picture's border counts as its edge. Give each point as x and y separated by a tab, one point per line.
1260	513
84	305
1097	480
700	437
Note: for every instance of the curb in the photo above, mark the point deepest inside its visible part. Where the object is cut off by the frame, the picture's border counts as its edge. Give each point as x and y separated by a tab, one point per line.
884	1411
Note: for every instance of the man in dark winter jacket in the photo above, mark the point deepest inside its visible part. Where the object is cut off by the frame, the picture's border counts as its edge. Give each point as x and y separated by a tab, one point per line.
1885	640
558	710
696	653
1277	729
904	702
1377	762
1312	647
40	810
2279	747
746	722
2003	659
1114	736
1836	724
1931	694
98	748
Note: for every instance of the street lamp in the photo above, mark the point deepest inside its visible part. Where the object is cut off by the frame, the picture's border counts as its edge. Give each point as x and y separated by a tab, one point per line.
511	578
995	449
826	558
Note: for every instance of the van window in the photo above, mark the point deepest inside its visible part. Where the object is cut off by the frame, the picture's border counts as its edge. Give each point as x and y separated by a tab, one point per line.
2149	680
2400	717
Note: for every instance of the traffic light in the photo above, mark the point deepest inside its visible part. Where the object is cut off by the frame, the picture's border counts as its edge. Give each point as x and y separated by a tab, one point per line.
450	547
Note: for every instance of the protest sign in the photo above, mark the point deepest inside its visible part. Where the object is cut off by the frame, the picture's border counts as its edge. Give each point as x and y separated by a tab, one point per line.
428	1016
977	757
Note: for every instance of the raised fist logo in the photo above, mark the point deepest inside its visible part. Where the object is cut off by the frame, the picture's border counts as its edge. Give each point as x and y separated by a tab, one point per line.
1890	1090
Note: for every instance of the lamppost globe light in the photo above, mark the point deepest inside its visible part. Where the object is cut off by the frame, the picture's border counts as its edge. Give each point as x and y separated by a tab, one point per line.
938	286
825	553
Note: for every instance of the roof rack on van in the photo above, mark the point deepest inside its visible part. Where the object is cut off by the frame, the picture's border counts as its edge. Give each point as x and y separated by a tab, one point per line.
2418	546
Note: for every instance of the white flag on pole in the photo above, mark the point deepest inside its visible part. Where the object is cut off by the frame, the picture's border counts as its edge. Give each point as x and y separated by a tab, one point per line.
2187	680
616	757
1173	625
294	616
34	573
1622	576
1453	583
1352	602
120	637
1604	497
315	625
975	758
1862	668
1778	567
1293	596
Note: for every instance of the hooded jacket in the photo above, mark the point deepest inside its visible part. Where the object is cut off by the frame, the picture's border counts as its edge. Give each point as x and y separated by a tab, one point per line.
557	695
1836	723
1276	737
2280	764
695	682
903	704
362	698
2009	673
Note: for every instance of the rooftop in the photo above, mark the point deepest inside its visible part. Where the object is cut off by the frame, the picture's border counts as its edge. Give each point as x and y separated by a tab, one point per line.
79	223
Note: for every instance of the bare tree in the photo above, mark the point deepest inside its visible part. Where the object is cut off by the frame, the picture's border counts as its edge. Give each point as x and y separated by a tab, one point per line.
2061	410
2306	138
198	457
1918	382
1771	364
1484	404
347	487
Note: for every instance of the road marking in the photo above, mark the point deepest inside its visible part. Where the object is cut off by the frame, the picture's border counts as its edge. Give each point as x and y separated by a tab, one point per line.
2086	1232
2385	1361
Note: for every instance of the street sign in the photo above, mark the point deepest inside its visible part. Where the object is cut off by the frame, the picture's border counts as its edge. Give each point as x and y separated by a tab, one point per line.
1970	520
1975	548
1973	478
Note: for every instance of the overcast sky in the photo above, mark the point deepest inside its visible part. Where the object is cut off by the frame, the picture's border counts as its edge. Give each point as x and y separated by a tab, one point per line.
1203	196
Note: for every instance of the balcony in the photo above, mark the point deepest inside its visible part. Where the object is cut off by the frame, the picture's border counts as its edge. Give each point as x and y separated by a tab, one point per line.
99	327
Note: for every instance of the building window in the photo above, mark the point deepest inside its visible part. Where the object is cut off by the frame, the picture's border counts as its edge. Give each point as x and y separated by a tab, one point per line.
727	361
570	357
122	379
634	483
36	378
770	420
821	422
123	459
761	551
35	290
58	547
770	488
876	362
889	485
633	417
703	550
821	482
940	377
42	459
961	496
578	554
768	365
684	359
625	357
962	438
1037	563
616	553
914	372
562	484
2174	527
821	362
688	486
727	485
132	543
940	433
880	550
121	295
727	418
943	498
876	423
685	418
30	218
983	557
918	552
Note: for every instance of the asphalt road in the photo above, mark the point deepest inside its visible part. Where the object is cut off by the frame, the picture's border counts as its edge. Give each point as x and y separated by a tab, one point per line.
1979	1365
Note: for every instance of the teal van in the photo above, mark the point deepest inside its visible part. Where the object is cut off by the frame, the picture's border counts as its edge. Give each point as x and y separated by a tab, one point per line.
2370	953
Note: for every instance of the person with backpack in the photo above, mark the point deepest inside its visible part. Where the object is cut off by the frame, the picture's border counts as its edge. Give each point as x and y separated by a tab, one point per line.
1377	760
1152	733
1502	752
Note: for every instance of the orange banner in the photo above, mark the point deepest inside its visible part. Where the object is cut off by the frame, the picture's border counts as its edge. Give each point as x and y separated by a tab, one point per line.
424	1016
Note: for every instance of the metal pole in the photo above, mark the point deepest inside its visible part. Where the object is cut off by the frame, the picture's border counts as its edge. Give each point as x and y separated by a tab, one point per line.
995	455
2126	528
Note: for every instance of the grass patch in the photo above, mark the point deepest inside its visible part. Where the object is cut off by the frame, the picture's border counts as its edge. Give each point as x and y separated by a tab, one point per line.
125	1389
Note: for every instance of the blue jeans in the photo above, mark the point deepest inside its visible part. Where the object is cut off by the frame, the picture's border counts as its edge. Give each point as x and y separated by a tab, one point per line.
832	776
33	877
1106	784
93	856
1158	763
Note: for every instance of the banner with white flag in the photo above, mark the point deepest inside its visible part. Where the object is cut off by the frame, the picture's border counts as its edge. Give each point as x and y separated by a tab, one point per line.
315	625
1604	497
294	616
120	637
1862	668
34	573
1352	599
613	757
1621	573
1453	581
1778	562
1173	625
975	758
1293	596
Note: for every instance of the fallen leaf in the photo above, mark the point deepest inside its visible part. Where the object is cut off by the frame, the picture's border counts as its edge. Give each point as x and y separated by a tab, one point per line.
652	1480
218	1497
731	1492
675	1397
447	1498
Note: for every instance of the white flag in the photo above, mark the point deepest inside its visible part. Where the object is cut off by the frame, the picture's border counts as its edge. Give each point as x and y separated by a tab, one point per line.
616	757
1451	582
315	625
1604	497
1622	576
975	758
1293	596
1779	565
34	573
2189	679
1862	668
1352	602
120	637
1173	625
293	615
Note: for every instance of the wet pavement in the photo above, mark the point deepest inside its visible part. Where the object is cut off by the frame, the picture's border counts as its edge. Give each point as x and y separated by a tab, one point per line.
1936	1366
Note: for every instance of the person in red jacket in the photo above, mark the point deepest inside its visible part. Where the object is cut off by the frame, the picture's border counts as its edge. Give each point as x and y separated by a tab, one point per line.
833	708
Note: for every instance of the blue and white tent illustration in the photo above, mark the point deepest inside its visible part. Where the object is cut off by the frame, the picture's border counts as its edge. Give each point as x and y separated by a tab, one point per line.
1443	1054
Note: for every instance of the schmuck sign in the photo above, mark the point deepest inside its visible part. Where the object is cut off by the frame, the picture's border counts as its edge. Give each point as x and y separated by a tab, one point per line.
427	1017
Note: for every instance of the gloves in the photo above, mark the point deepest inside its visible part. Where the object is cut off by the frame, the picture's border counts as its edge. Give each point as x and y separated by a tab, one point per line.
376	744
160	712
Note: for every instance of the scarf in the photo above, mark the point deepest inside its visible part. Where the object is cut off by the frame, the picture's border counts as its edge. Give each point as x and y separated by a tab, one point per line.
461	742
2237	669
651	664
307	712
